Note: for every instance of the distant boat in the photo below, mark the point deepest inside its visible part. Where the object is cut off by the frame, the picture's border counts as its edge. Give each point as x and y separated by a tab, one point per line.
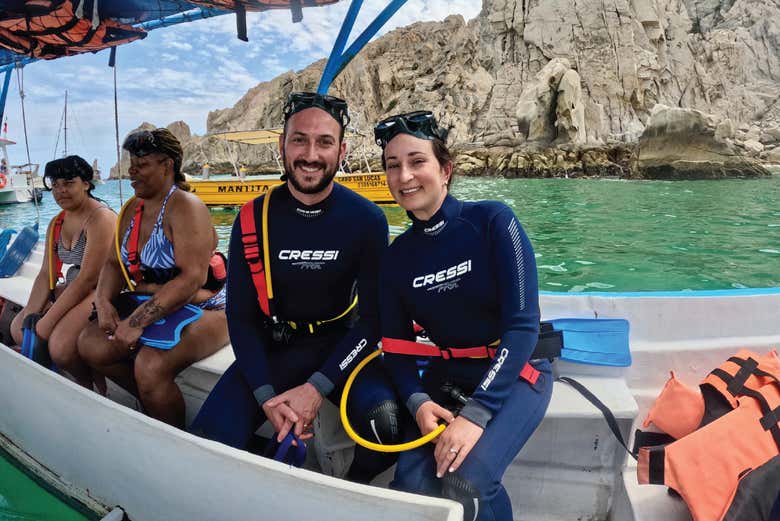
228	190
18	183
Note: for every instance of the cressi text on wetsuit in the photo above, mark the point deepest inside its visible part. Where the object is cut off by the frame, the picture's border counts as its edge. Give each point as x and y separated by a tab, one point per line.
468	276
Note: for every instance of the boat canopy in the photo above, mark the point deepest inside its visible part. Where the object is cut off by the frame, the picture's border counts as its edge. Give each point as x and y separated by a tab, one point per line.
269	136
48	29
265	136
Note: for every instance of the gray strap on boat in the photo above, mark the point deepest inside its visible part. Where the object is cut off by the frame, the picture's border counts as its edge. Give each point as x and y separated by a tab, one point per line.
608	415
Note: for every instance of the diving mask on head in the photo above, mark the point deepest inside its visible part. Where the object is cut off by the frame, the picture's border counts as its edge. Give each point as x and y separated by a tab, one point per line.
142	143
419	124
336	107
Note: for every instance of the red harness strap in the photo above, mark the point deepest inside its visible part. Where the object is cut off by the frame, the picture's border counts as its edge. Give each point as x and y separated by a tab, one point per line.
252	255
56	231
397	346
133	258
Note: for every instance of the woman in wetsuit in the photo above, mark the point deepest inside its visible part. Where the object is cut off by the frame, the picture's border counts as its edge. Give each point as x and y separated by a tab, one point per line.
167	241
84	229
465	272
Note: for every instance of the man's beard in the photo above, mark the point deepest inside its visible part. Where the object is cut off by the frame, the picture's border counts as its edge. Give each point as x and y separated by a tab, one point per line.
290	172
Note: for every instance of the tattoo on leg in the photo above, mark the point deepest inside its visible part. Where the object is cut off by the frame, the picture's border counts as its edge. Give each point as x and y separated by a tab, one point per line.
149	312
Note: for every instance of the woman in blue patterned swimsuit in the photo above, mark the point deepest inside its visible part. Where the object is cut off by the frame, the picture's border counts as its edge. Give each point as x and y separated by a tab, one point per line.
176	240
84	244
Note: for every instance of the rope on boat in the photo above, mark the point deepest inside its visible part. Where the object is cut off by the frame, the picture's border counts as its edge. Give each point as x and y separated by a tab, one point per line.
116	129
20	83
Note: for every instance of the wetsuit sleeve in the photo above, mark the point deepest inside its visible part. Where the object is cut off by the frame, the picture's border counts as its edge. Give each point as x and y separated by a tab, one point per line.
364	336
398	323
244	320
514	266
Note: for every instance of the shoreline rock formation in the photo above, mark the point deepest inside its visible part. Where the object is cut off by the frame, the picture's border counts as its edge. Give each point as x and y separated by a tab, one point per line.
555	87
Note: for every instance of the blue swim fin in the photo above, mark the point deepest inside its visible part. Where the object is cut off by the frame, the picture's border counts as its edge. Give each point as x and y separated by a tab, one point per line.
19	250
5	238
34	347
166	332
592	341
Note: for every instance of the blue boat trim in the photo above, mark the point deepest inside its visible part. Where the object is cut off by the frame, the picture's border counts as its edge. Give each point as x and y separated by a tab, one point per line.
741	292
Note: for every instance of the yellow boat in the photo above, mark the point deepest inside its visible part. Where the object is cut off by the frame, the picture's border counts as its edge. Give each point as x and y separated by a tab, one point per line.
237	190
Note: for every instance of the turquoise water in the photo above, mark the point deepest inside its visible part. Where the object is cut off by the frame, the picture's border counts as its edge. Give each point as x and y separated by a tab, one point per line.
606	235
589	235
22	500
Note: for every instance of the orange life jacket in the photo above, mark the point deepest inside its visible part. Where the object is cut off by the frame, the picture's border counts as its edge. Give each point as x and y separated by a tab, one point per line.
727	469
52	28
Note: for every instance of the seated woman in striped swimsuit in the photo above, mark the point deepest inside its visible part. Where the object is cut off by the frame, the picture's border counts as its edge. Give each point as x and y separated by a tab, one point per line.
167	246
80	237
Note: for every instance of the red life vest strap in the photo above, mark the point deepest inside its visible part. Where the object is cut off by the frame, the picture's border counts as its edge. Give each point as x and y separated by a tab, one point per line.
55	263
56	231
252	255
133	259
397	346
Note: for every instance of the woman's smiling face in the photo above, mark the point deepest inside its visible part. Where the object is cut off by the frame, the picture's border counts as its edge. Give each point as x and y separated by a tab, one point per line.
417	181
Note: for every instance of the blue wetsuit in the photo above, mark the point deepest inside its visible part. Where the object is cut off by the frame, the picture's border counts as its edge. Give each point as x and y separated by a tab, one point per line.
319	255
468	276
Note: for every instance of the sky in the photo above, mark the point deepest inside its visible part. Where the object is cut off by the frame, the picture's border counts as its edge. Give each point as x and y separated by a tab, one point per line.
180	73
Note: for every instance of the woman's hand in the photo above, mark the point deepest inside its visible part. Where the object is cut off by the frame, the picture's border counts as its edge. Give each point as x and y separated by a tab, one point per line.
428	416
126	335
43	328
108	318
454	445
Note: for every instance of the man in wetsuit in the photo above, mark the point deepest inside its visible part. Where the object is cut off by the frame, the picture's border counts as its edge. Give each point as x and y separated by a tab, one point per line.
298	345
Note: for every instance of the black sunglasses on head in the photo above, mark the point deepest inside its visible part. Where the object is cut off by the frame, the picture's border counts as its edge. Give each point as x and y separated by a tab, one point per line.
141	143
419	124
336	107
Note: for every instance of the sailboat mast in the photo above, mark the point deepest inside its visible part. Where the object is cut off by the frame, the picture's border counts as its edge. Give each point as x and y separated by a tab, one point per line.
66	123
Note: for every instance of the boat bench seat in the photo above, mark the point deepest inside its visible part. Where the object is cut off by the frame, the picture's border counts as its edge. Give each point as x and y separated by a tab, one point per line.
571	468
572	455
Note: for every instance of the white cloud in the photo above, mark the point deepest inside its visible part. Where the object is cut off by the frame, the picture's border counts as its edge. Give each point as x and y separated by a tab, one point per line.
183	72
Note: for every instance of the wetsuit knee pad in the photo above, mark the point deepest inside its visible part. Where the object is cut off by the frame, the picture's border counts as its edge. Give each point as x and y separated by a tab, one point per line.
382	423
457	488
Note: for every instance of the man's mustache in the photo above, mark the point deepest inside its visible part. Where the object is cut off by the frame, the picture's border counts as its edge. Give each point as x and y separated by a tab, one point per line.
315	164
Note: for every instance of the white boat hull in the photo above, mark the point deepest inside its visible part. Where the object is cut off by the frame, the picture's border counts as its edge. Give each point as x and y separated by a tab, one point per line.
11	195
156	472
125	458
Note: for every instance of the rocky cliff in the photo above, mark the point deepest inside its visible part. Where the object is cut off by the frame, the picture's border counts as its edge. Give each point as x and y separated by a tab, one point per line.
547	78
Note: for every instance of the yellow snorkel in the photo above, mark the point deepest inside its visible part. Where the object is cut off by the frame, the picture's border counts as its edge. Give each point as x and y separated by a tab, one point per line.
122	268
399	447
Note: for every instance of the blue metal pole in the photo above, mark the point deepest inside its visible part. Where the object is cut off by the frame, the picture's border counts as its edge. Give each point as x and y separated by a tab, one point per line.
21	62
338	46
4	94
336	63
186	16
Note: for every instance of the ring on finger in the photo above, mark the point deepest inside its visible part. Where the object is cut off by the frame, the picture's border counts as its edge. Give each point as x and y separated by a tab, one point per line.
453	450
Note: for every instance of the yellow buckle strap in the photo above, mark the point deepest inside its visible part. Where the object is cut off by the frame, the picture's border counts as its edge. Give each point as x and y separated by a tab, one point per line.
311	325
